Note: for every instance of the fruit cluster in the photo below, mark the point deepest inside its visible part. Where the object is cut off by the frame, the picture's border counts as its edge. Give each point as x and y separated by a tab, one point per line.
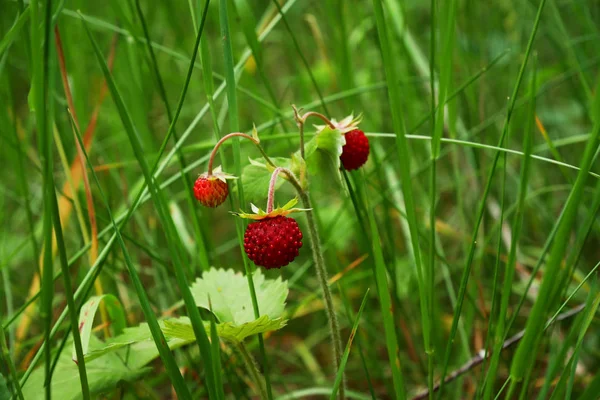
274	240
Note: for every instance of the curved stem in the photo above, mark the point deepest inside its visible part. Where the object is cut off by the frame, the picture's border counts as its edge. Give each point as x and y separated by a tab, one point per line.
271	196
234	134
301	120
253	370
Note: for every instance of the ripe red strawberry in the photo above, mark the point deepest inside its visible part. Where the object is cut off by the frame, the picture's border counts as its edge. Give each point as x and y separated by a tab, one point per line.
356	150
273	242
210	191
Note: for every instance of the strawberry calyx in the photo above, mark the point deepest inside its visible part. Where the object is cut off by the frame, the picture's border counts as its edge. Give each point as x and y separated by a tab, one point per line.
217	173
347	124
259	214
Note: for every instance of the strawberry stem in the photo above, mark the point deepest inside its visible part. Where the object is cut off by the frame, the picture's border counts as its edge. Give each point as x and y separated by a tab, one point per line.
319	260
253	370
271	196
229	136
301	120
317	252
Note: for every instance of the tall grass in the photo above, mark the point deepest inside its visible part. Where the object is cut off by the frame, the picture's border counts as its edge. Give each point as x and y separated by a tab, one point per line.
461	258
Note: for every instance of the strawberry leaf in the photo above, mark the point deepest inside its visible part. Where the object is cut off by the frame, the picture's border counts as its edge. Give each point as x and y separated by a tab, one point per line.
230	297
181	328
103	374
323	152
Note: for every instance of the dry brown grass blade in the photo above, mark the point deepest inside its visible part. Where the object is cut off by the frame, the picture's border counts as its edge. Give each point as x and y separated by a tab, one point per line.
64	203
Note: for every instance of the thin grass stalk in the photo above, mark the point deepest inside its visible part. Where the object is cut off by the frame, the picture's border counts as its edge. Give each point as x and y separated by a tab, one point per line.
522	361
23	184
234	126
387	52
301	55
500	331
11	365
437	119
40	78
203	252
73	310
246	18
435	144
340	374
159	339
385	302
172	238
216	356
483	200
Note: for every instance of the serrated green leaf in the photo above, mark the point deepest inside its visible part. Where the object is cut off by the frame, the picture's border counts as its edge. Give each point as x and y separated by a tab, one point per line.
103	374
230	296
142	349
182	329
231	304
88	312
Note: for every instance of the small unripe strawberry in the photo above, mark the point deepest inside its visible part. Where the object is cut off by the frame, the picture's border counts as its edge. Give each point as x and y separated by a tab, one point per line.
211	191
273	242
356	150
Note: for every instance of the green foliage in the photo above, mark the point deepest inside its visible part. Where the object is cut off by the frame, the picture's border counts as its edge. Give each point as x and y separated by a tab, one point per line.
88	312
223	292
323	153
226	294
4	392
103	374
496	235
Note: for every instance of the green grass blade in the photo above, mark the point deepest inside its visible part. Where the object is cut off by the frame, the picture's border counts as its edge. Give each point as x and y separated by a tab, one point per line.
387	53
500	332
340	374
590	311
301	55
385	302
14	30
11	365
159	339
447	29
73	310
216	357
167	222
234	127
41	82
483	200
528	346
203	252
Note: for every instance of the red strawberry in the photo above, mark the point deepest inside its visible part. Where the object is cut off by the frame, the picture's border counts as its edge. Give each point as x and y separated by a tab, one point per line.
210	191
273	242
356	150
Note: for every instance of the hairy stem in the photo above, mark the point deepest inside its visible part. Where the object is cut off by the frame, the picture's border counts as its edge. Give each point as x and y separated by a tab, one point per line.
252	368
271	196
334	327
313	233
213	154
